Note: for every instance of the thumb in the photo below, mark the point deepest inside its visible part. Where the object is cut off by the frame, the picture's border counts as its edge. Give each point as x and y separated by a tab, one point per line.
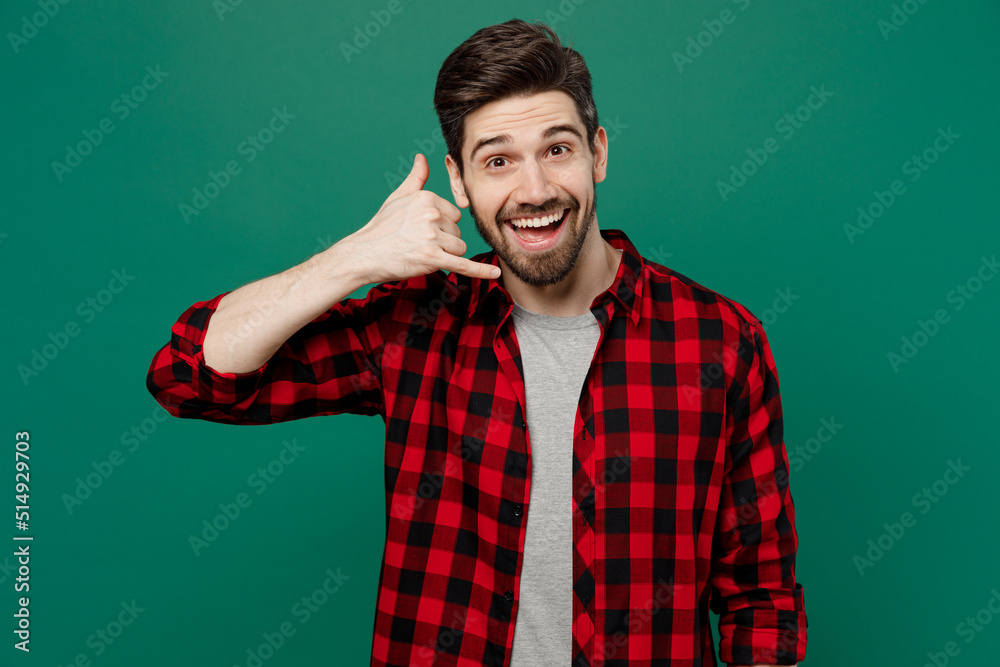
416	178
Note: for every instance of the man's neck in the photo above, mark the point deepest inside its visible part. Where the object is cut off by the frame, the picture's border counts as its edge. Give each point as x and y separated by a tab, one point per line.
593	273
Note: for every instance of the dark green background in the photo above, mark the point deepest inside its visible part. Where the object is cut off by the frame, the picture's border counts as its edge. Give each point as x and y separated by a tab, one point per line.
324	176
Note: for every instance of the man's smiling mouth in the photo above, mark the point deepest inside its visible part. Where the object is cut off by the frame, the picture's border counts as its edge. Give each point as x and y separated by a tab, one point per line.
537	228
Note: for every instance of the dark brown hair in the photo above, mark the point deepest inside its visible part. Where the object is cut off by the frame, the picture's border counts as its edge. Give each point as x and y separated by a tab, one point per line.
508	60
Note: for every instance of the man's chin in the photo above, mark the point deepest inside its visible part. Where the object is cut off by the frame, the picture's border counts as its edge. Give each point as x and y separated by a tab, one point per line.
539	268
536	267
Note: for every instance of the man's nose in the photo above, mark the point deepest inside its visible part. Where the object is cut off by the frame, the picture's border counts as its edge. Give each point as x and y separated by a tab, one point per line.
534	187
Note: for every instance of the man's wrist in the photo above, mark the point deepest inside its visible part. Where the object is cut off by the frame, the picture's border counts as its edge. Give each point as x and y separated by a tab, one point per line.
337	267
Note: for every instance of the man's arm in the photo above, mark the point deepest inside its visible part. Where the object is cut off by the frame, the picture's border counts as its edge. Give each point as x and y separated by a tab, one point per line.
414	232
276	349
249	324
761	609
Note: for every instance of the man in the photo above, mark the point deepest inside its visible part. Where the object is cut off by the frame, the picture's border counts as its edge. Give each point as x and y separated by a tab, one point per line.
654	484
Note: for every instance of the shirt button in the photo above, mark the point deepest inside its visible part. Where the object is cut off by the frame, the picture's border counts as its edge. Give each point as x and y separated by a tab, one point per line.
517	510
508	596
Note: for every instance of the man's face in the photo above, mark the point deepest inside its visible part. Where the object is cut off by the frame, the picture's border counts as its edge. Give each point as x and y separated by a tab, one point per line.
523	161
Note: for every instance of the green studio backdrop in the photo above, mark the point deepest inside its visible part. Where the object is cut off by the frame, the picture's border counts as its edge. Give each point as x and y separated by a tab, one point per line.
831	165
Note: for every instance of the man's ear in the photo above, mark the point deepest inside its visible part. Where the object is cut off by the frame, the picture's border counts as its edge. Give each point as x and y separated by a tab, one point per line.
600	154
457	187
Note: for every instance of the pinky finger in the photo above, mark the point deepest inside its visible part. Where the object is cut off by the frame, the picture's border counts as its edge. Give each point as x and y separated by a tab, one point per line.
467	267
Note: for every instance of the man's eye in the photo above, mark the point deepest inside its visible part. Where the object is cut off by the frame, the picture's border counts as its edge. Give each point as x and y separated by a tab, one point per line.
492	162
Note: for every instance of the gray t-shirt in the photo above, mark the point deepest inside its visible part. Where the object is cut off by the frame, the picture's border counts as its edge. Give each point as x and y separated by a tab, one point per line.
555	353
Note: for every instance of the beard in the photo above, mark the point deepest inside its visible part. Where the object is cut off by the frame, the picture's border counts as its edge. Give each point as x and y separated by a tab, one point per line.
544	267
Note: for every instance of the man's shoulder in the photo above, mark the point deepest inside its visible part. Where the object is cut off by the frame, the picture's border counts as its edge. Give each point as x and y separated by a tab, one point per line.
672	291
727	329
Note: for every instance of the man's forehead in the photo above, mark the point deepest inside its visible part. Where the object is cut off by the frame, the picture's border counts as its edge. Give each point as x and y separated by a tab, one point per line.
527	117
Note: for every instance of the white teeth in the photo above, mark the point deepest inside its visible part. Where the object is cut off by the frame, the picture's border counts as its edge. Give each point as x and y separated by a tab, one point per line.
537	222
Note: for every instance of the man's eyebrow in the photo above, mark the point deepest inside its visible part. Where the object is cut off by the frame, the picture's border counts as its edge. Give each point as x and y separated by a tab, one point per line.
505	138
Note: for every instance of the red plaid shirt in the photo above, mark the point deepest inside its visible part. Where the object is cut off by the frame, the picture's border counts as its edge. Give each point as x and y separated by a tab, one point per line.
681	501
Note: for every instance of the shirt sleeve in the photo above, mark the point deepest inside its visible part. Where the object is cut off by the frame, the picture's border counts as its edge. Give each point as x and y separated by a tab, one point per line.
330	366
761	608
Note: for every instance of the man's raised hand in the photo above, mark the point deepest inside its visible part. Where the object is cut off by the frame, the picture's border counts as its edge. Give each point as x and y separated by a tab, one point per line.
415	232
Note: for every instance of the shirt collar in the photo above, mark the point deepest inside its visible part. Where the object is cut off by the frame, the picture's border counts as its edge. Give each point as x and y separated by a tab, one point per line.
626	288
